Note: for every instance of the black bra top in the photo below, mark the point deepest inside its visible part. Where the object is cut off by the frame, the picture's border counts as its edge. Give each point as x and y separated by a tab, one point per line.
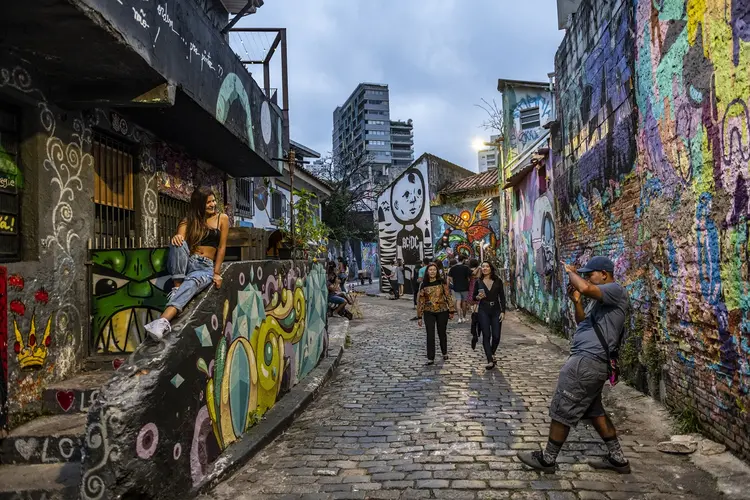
211	239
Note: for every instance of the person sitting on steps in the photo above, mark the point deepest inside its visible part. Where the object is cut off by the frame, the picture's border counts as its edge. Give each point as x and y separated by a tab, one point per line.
195	257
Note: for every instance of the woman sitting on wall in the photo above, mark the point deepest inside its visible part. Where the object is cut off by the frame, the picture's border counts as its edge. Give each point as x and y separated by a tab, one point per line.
195	257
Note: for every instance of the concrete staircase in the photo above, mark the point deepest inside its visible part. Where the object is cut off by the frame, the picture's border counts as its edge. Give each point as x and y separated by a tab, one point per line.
42	458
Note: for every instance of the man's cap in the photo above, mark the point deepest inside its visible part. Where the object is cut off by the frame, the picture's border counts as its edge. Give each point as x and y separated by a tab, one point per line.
598	264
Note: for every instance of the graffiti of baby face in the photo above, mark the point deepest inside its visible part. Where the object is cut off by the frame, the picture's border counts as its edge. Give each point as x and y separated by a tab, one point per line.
408	198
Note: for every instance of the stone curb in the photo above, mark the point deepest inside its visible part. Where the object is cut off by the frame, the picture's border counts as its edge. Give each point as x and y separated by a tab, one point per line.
277	419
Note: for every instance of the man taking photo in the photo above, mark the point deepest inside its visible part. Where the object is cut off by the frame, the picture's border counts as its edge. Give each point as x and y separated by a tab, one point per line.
579	387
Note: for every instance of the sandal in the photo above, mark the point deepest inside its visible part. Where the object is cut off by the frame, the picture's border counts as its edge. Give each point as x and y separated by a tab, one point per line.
430	362
490	366
445	357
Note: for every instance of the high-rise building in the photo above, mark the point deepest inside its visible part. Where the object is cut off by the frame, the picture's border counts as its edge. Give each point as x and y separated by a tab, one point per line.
489	157
402	146
362	125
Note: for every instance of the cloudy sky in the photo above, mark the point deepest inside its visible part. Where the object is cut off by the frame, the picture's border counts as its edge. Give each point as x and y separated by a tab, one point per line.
438	57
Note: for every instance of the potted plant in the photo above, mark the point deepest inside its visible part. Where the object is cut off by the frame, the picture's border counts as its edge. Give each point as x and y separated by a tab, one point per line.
310	233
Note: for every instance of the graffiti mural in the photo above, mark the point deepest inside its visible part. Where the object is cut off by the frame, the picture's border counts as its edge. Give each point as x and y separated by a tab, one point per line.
653	98
3	349
230	357
693	137
370	259
536	287
404	225
461	229
127	292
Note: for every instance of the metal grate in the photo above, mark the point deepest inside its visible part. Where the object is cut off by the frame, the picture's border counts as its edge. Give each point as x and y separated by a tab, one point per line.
278	205
171	212
11	181
244	197
115	224
530	118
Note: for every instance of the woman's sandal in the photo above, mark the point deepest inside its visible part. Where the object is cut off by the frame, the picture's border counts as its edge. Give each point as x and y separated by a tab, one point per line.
490	366
430	362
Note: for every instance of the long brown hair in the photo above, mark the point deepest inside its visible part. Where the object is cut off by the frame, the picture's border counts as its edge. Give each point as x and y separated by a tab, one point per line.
196	217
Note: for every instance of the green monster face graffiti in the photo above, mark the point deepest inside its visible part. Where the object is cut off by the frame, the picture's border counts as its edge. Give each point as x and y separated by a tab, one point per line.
127	293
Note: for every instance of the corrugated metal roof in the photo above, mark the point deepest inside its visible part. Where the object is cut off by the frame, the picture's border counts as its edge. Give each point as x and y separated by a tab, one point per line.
484	180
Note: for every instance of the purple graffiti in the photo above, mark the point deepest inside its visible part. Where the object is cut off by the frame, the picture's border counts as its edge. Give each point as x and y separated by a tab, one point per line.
740	26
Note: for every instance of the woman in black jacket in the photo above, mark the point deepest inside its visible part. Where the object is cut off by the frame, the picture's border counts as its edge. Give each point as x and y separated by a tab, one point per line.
488	291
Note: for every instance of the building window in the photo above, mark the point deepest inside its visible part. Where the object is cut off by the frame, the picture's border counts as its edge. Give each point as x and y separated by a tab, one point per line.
115	220
171	212
542	179
11	182
278	205
530	118
244	197
517	198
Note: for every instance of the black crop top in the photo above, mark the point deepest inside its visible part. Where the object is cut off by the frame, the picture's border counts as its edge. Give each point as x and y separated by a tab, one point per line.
211	239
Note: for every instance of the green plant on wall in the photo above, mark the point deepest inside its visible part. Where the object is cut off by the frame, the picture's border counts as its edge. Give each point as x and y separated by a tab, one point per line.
310	233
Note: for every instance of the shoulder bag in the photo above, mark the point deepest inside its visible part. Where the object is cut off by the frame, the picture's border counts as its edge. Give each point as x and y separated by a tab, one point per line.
613	370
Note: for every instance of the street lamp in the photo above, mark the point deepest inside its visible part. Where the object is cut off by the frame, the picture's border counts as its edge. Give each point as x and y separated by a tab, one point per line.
478	143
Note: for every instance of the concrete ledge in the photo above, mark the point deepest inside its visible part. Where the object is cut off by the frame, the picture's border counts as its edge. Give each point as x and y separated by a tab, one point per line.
280	417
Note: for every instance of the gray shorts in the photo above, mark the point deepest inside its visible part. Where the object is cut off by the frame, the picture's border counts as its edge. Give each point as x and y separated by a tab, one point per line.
579	391
460	295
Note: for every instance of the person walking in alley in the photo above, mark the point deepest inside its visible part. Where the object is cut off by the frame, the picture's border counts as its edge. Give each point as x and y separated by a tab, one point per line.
471	303
490	296
582	378
435	304
195	257
392	276
460	275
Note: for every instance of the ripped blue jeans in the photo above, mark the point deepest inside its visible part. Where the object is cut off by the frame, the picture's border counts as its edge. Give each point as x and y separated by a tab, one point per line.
196	271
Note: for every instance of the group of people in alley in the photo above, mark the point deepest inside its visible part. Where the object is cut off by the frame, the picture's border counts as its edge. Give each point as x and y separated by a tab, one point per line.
476	291
473	290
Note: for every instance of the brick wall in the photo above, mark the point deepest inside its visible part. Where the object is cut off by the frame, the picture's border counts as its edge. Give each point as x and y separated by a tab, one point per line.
656	138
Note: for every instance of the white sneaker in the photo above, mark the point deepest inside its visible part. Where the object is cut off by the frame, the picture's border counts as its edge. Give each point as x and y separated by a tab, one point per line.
157	328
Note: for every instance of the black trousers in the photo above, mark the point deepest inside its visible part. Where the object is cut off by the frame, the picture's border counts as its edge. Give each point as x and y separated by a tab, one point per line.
431	320
489	323
395	288
415	286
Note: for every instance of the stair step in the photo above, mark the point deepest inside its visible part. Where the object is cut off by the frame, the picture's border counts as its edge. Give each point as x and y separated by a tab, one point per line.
48	481
105	362
45	440
74	395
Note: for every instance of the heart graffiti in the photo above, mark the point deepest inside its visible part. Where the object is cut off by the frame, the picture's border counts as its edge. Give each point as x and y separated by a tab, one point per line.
66	399
26	447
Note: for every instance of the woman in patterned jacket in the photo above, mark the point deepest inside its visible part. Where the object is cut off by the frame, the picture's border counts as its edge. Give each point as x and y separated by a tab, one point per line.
436	305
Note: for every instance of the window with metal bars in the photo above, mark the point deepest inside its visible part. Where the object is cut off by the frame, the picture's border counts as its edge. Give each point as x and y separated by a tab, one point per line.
115	225
244	197
278	205
171	212
11	182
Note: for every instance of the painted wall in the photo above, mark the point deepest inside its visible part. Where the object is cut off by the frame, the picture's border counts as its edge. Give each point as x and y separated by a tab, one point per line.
44	322
515	100
127	291
461	228
656	132
404	228
166	416
370	258
536	287
692	89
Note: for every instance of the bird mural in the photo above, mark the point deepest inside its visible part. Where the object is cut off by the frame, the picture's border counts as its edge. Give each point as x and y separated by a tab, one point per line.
475	225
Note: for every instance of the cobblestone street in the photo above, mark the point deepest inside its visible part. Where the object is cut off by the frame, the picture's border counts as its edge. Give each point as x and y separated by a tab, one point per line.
386	426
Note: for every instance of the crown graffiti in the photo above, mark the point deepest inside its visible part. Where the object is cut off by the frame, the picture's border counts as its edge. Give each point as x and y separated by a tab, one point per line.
32	353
